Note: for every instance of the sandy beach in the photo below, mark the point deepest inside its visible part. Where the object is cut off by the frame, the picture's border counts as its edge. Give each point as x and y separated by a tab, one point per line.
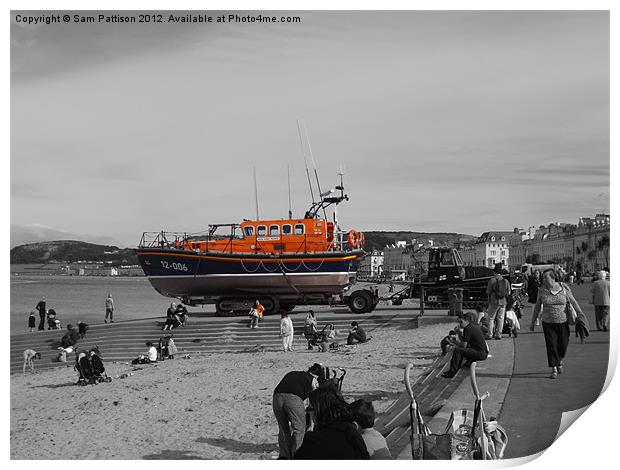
212	406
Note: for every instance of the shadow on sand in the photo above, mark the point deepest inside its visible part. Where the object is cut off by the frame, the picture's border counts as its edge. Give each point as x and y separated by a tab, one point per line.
238	446
172	455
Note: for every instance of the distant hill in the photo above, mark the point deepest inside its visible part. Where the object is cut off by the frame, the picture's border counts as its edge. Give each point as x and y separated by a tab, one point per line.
35	233
379	240
71	251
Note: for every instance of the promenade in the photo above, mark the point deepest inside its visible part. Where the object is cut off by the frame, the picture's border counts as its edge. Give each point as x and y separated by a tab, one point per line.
528	404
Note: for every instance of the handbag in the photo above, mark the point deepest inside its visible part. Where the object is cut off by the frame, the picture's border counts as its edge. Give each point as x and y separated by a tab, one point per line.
571	314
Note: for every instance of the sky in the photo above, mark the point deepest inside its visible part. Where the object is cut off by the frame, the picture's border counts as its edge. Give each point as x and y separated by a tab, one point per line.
443	121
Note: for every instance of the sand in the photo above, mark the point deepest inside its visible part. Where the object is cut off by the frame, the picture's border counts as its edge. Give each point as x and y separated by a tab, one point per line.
212	406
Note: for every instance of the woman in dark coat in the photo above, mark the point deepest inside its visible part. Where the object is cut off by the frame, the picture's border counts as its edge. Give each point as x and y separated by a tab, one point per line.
335	436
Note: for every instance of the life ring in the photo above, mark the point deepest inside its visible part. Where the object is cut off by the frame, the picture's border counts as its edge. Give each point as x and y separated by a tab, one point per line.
353	239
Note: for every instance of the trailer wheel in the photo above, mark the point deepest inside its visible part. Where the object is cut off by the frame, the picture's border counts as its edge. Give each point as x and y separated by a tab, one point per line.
287	306
360	301
271	304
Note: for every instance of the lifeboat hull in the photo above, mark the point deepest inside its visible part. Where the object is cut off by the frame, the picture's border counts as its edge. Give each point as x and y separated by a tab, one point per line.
182	273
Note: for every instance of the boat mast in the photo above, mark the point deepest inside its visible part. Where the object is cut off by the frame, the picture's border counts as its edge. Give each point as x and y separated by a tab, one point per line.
255	193
318	184
288	177
301	142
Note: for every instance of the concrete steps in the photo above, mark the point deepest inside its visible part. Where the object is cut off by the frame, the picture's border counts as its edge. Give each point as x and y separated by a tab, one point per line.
123	341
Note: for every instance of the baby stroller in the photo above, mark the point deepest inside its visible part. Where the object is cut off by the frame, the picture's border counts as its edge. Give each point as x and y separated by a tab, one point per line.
514	302
52	323
467	436
166	348
321	339
509	328
90	368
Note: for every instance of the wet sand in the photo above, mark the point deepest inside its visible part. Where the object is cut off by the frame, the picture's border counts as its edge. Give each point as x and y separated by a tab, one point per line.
213	406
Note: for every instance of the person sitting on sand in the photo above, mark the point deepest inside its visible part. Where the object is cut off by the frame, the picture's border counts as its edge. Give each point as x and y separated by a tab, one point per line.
334	435
364	416
151	355
473	347
356	333
29	356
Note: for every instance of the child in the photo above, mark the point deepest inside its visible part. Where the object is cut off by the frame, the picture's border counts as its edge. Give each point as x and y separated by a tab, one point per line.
483	321
511	322
364	416
446	341
32	321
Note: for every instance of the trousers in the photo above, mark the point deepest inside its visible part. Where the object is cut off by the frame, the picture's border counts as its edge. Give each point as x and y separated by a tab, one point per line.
556	341
287	342
471	354
291	417
601	313
496	319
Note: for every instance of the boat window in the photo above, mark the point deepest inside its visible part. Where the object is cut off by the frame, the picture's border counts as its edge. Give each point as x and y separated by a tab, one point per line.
261	230
299	229
274	230
248	231
287	229
446	259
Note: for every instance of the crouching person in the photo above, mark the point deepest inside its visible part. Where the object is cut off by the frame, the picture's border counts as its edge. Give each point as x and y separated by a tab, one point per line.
473	347
289	410
151	355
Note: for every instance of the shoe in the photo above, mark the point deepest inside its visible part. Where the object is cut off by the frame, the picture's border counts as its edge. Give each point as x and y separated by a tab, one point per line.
105	321
111	321
448	375
554	375
560	369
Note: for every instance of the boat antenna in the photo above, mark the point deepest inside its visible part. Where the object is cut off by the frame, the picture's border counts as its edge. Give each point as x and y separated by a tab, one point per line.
288	177
301	141
255	193
316	174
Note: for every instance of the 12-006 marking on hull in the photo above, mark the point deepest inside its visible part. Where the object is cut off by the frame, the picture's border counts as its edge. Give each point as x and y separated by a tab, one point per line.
175	266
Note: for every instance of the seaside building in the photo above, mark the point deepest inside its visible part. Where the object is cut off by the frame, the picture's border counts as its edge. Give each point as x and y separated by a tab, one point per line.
583	247
488	250
371	266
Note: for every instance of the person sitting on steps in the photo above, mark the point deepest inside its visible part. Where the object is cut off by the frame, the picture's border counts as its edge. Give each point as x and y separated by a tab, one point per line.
473	347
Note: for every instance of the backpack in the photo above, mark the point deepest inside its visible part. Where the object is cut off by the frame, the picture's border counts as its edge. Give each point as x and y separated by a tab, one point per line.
501	289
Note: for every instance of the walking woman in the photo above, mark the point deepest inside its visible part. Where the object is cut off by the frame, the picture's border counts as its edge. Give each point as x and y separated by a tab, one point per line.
552	301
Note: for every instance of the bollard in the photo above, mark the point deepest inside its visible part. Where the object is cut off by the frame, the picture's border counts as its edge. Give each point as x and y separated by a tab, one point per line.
421	300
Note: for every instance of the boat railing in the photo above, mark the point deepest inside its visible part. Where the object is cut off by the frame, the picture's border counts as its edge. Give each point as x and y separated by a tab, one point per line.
162	239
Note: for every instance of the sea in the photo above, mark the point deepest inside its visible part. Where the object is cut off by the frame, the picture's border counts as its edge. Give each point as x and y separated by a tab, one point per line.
82	298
